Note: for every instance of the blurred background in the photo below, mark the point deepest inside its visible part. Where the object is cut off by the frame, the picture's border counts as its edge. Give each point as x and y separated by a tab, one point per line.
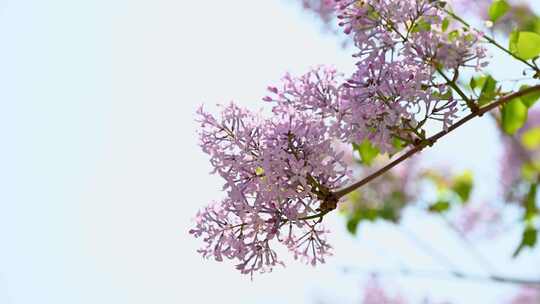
101	173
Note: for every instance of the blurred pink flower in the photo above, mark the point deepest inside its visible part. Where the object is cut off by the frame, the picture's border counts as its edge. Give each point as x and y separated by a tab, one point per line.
527	295
374	293
478	218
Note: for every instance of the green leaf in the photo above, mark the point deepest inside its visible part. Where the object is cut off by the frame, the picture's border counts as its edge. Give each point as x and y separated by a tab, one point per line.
531	138
498	9
536	25
398	144
421	26
392	206
477	82
453	35
530	99
439	206
512	42
472	83
530	203
514	116
489	90
463	185
525	45
445	24
352	225
367	152
528	239
529	171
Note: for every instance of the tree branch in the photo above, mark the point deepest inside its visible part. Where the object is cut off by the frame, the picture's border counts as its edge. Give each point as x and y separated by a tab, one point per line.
431	140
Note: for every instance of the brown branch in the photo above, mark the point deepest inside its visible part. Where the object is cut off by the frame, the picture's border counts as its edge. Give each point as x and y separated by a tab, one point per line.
431	140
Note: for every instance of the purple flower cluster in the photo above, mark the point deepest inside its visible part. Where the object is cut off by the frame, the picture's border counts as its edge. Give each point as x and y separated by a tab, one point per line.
281	172
322	8
526	295
403	48
278	172
412	31
378	102
374	293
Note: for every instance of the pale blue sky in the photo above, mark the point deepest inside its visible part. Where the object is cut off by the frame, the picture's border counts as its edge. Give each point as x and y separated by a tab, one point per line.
100	173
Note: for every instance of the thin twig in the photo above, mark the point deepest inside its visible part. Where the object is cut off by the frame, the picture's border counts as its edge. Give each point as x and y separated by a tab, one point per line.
434	274
429	250
492	41
488	266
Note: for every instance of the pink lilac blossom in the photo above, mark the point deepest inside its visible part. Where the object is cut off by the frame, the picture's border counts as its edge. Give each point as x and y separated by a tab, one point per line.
519	14
280	172
402	46
478	219
478	8
384	100
527	295
408	30
322	8
379	102
277	171
374	293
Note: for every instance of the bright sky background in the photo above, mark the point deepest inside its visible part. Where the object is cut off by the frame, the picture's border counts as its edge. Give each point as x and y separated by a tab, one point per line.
100	172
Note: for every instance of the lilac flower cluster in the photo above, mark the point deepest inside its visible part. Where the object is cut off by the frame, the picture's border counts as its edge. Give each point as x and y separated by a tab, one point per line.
378	103
278	172
322	8
411	31
374	293
403	47
520	14
282	172
483	219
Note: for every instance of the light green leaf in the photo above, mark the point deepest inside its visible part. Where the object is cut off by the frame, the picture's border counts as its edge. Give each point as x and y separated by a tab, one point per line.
453	35
367	151
445	24
529	172
463	185
512	42
536	25
439	206
531	138
421	26
530	99
398	144
477	82
498	9
489	90
514	116
525	45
